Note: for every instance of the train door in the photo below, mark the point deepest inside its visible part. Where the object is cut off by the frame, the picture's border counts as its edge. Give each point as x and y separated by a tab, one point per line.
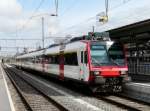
61	66
84	71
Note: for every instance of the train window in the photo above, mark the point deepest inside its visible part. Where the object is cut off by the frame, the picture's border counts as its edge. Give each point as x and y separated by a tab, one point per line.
54	59
116	54
85	56
32	60
49	60
70	59
38	59
57	59
81	56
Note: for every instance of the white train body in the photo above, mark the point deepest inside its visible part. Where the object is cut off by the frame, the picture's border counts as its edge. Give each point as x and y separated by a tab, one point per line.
74	61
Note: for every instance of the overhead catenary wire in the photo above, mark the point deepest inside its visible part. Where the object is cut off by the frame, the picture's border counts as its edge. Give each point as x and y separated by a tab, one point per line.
69	8
35	11
29	18
56	5
119	5
91	18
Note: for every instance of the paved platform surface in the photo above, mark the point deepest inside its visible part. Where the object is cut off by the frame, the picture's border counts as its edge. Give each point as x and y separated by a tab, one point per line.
5	98
140	78
138	90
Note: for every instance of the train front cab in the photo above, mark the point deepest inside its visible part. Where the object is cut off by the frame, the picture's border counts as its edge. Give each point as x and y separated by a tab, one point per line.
106	66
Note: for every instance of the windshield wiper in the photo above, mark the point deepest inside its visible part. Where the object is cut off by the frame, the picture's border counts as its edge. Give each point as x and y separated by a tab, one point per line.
95	61
115	62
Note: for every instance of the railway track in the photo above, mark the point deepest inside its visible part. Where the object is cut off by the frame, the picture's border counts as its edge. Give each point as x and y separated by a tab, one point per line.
124	102
62	99
33	98
120	102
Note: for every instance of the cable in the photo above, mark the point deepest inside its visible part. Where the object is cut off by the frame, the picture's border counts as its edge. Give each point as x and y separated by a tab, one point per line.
94	16
69	8
41	2
28	20
124	2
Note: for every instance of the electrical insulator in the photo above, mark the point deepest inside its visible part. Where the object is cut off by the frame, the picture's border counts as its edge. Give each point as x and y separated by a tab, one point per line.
92	34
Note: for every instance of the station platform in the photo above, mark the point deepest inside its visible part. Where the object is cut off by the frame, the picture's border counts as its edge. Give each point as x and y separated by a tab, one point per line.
138	90
6	103
141	78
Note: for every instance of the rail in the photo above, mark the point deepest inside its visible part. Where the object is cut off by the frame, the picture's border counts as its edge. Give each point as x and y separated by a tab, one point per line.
127	103
28	93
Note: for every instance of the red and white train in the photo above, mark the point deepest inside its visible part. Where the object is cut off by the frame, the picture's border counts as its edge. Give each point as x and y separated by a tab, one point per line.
101	65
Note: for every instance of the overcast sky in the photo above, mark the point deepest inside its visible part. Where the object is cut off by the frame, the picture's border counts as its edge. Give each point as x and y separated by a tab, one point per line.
75	17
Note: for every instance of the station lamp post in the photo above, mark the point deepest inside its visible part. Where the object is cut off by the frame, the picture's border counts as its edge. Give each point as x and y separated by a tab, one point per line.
43	30
103	16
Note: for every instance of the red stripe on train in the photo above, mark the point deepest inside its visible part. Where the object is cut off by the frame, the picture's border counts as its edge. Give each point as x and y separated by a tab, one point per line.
61	67
110	73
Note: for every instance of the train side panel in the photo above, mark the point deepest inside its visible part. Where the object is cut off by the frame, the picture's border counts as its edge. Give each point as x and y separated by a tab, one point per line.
77	71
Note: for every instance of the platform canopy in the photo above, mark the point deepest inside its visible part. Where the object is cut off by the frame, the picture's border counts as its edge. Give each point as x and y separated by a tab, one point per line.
137	32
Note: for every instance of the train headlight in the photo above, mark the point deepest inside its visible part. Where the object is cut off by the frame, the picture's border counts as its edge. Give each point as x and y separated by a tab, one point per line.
96	73
127	79
123	72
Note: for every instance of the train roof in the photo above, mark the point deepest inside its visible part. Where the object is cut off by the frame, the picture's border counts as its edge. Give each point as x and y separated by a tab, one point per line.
67	48
70	47
31	54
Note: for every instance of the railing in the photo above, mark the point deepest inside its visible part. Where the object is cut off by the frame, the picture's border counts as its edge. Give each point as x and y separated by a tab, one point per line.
141	68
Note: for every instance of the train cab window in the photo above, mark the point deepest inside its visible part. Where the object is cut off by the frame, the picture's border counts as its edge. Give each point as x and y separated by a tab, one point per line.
116	54
99	55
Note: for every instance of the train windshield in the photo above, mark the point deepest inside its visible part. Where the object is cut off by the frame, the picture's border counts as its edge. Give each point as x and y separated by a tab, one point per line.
103	55
116	54
99	55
